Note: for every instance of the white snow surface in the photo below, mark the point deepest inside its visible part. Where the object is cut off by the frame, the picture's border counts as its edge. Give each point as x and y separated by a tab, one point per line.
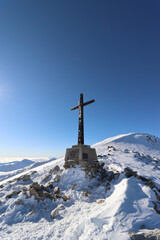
141	142
93	211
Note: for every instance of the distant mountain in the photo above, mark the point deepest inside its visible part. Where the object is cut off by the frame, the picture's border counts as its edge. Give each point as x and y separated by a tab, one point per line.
116	200
11	166
10	169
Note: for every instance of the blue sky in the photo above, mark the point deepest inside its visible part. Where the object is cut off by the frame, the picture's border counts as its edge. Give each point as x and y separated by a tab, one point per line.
53	50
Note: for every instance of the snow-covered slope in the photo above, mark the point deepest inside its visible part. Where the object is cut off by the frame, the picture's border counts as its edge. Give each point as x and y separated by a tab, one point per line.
122	196
141	142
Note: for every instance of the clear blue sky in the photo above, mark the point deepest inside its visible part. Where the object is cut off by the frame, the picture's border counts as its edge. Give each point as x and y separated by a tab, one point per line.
53	50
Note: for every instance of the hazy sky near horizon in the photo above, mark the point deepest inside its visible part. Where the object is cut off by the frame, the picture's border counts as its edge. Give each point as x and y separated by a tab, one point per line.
53	50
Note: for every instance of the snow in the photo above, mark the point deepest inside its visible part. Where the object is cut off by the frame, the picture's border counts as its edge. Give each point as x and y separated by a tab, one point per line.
141	142
92	211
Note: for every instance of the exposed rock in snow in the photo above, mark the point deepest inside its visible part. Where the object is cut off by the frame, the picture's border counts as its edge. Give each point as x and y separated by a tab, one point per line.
24	178
150	235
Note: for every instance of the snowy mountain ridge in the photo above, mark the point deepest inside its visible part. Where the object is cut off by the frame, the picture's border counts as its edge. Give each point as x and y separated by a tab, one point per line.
112	202
141	142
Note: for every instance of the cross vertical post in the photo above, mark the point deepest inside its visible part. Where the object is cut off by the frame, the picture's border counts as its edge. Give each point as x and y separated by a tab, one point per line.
81	125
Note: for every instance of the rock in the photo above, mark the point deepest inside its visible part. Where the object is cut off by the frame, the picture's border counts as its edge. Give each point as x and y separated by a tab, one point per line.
13	194
33	172
73	186
157	196
40	191
156	207
55	212
129	173
101	201
56	190
65	198
24	189
45	188
33	192
57	178
54	170
111	148
49	185
19	202
85	193
111	175
24	178
108	187
47	178
31	213
151	235
35	185
0	201
48	195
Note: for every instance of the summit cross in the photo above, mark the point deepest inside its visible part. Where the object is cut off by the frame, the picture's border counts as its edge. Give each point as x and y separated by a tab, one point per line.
80	105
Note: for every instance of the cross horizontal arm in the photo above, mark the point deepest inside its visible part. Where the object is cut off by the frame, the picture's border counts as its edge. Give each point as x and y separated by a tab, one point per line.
75	107
86	103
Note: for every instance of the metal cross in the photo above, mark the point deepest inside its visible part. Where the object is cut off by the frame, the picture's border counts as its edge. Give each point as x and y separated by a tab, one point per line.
81	126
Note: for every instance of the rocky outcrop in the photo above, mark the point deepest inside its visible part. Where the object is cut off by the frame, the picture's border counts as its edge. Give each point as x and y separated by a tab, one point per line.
40	192
151	235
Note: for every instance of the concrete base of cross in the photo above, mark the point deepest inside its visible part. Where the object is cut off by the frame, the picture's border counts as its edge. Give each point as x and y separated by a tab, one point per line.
81	155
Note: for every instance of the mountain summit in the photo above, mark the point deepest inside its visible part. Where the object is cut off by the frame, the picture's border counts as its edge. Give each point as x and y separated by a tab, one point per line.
118	200
141	142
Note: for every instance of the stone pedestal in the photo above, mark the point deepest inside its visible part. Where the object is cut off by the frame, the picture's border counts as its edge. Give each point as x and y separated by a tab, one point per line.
80	154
